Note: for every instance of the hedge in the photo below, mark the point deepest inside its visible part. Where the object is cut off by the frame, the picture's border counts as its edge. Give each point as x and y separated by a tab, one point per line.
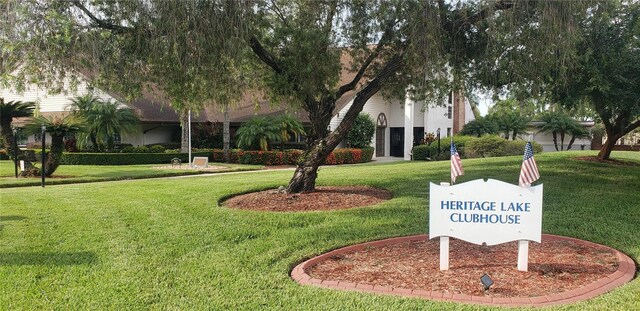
126	158
290	157
473	147
430	152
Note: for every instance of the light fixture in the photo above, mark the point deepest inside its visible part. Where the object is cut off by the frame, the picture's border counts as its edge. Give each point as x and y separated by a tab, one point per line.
486	281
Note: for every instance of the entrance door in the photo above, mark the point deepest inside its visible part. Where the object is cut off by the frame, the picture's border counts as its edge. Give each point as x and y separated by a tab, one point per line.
397	141
380	138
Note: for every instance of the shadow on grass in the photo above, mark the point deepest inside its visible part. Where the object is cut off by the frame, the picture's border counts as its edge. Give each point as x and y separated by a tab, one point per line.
12	218
48	258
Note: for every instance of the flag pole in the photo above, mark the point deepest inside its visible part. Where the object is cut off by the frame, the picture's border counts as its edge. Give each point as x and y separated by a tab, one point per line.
451	156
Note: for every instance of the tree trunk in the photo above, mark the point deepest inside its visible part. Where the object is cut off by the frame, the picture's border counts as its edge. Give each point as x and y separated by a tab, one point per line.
555	139
9	144
607	147
304	178
562	141
226	135
573	140
184	123
55	155
7	136
323	142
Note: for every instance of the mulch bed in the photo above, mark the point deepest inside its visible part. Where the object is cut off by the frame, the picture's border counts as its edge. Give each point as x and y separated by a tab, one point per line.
554	267
324	198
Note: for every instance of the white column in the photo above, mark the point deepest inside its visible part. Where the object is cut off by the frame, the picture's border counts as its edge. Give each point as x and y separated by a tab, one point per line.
408	127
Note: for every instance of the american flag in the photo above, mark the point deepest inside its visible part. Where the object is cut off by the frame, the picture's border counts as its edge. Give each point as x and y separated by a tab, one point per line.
456	164
529	171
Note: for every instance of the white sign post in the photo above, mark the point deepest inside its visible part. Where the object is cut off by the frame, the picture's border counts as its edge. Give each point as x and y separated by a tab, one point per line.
491	212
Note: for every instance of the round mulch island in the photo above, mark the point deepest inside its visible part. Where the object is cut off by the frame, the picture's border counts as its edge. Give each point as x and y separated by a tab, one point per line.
561	270
324	198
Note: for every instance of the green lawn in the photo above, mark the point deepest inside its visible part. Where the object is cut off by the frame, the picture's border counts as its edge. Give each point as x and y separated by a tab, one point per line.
165	244
66	174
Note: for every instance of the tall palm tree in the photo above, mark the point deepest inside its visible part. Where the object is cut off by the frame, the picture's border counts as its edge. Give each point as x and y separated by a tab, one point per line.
58	128
8	111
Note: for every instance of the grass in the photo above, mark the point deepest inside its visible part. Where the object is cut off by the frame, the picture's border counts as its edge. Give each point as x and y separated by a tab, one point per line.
71	174
165	244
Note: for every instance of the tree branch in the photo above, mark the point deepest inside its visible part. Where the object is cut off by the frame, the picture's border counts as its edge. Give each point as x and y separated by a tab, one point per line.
278	12
101	23
484	13
389	69
386	36
630	128
264	55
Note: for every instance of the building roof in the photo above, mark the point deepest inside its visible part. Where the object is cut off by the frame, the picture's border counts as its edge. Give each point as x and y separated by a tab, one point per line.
154	106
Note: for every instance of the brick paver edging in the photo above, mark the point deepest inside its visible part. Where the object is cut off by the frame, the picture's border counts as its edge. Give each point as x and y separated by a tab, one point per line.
626	271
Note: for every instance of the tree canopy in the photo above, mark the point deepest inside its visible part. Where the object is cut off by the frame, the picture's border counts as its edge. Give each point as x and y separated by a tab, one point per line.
308	54
606	72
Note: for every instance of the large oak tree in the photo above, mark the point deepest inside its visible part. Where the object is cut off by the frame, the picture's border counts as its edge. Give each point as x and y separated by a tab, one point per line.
606	73
310	54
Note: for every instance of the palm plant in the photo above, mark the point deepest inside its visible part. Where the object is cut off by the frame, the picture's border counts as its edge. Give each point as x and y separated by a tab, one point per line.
58	128
8	111
108	119
105	120
559	124
81	106
257	133
511	124
480	126
288	126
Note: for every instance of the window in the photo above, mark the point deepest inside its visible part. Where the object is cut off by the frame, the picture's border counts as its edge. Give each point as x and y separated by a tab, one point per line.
69	136
21	137
448	131
117	140
449	112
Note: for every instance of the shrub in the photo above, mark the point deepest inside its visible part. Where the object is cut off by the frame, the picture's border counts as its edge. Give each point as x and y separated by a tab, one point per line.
3	154
157	149
167	146
128	149
70	145
361	133
421	152
486	146
367	154
516	147
126	158
141	149
291	157
473	147
445	147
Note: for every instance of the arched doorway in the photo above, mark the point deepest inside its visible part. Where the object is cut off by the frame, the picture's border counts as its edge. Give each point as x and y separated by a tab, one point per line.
381	126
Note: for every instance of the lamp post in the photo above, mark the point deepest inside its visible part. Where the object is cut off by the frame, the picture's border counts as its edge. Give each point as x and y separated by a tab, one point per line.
438	134
15	149
44	128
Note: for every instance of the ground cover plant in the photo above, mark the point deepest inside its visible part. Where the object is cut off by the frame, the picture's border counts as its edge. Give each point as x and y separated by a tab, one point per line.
70	174
165	244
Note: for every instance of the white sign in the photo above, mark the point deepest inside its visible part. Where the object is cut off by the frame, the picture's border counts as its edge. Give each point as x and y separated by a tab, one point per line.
490	212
